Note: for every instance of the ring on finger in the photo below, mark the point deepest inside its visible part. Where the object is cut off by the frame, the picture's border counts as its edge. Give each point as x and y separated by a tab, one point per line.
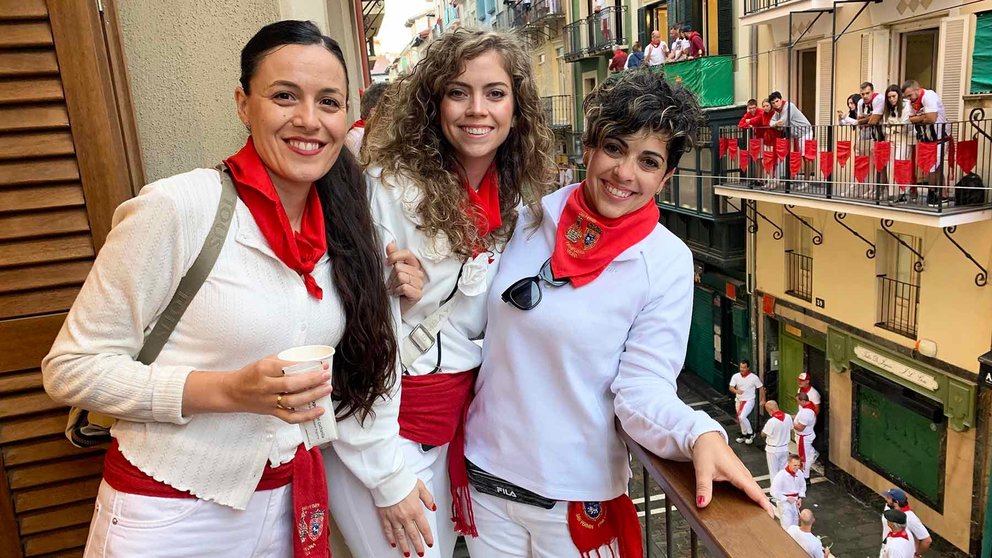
279	404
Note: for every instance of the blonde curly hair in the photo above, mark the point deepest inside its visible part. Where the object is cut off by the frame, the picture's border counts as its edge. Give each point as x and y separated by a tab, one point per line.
405	139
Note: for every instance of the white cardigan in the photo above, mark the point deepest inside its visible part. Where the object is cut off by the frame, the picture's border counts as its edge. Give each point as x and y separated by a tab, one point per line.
554	377
394	208
251	306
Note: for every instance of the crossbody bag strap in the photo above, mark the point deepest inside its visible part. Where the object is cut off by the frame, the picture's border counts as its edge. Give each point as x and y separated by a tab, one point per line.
197	274
425	334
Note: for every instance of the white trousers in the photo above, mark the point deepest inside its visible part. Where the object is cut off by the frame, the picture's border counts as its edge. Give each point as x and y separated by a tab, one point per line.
512	529
811	454
357	516
776	461
788	514
744	409
127	525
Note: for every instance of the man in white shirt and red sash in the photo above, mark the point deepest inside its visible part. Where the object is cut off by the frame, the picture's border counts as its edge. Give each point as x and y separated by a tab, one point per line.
744	386
806	387
896	499
930	121
897	543
777	433
803	425
789	489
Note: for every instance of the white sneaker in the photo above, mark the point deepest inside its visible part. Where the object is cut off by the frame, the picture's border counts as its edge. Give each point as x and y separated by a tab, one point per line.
749	439
740	439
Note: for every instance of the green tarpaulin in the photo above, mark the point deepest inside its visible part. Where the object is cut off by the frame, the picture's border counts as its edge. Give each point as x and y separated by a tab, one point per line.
981	60
711	78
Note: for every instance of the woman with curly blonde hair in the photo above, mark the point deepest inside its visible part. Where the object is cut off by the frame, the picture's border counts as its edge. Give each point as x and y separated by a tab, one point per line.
454	148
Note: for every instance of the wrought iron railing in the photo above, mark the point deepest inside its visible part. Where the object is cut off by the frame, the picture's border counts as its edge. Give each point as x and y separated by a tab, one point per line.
898	302
731	526
799	275
755	6
543	10
576	40
558	110
929	168
605	29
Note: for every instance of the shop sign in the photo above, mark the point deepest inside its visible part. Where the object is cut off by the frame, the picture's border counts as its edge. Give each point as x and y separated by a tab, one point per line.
897	368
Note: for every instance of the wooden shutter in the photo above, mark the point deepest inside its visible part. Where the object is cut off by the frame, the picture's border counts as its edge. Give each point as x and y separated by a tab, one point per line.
824	82
62	171
644	28
865	57
725	27
955	47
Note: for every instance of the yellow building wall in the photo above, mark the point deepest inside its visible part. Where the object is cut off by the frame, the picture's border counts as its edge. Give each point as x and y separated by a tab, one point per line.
845	279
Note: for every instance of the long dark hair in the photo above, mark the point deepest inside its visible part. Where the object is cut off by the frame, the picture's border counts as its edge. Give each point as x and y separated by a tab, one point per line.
365	360
891	110
853	113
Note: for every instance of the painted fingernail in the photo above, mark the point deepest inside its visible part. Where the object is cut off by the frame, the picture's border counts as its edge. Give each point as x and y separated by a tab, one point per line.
700	500
433	507
430	545
421	554
406	554
392	545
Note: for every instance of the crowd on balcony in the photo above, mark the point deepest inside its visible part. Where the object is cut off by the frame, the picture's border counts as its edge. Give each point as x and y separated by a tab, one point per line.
686	44
904	149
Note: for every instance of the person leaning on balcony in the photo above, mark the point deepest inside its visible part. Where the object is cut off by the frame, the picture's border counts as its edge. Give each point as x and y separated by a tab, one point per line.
207	456
636	57
370	98
849	118
896	499
789	488
599	8
803	535
619	60
871	108
930	120
791	123
896	543
697	49
895	119
453	152
777	433
588	323
656	51
751	117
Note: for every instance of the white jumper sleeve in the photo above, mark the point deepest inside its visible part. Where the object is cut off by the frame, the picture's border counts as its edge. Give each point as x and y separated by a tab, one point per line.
92	362
777	490
646	400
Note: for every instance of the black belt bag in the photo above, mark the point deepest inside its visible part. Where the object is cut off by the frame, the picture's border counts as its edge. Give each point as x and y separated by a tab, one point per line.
492	485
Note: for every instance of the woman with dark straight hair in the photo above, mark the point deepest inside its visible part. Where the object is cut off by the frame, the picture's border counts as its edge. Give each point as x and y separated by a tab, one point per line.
207	457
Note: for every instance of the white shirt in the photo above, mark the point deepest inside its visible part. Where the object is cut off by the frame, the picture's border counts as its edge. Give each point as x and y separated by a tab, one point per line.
786	483
814	396
810	542
554	377
932	103
777	434
680	45
353	140
917	531
749	385
807	418
251	305
877	106
394	209
898	547
656	55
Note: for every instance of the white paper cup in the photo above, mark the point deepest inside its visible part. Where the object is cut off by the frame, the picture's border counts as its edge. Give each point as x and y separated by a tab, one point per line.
311	358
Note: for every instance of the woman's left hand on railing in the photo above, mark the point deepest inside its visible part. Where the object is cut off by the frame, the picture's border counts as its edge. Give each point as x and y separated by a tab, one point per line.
715	461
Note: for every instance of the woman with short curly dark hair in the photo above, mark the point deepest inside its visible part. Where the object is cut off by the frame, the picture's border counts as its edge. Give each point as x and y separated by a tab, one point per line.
588	320
454	148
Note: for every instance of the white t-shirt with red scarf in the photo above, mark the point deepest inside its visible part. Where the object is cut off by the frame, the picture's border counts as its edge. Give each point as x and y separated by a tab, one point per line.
748	384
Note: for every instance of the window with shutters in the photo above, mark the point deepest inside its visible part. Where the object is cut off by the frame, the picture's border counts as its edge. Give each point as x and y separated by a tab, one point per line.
798	259
898	282
981	58
951	82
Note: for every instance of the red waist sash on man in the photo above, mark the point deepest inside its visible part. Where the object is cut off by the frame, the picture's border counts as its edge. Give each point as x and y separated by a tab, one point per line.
433	408
305	471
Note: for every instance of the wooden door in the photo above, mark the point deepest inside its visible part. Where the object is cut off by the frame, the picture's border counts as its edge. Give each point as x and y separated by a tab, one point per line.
63	169
791	362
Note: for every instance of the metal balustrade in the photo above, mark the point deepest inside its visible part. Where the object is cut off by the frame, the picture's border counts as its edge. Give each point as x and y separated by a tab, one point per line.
898	303
799	275
558	110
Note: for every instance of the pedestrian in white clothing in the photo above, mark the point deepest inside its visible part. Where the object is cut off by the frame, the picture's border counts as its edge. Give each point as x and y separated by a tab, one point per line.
803	534
777	433
789	489
896	543
453	151
803	424
896	499
745	385
207	457
806	386
588	320
657	51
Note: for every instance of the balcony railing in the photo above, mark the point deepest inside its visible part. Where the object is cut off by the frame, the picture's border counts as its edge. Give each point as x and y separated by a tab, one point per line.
731	526
544	10
799	275
558	110
897	305
576	40
921	168
755	6
599	32
520	15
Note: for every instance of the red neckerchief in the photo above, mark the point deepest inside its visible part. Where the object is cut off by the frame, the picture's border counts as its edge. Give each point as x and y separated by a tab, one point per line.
594	525
780	415
918	103
745	374
899	534
805	389
810	405
656	44
904	508
360	123
485	203
867	104
586	242
790	472
300	251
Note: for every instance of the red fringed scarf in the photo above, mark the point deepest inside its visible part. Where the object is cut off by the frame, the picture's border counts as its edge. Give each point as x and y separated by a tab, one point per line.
899	534
586	242
780	415
918	103
484	203
300	251
360	123
594	525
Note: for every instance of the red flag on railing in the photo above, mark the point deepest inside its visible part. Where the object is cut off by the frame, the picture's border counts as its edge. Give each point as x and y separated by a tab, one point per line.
768	161
826	163
744	160
795	162
811	147
861	165
967	153
903	171
843	152
781	148
883	150
732	148
950	160
754	146
926	156
723	146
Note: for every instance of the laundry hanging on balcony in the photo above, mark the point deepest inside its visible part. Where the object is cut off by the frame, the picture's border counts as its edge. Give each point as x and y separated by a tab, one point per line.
781	148
882	152
903	171
732	149
926	156
861	165
843	152
811	147
826	163
744	160
967	155
754	146
768	161
724	142
795	162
